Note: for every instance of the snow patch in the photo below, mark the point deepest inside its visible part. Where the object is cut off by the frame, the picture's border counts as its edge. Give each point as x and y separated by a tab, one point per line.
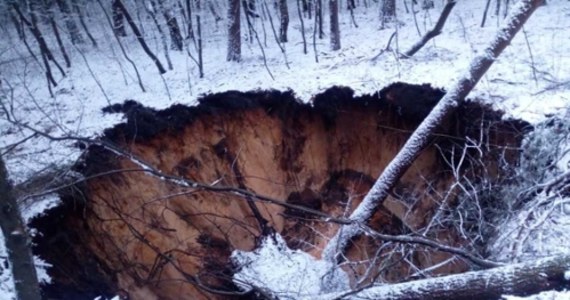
291	274
548	295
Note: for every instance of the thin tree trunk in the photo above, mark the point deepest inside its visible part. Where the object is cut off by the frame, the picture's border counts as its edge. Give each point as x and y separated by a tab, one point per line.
284	17
190	29
17	242
173	28
150	11
434	32
302	27
58	38
234	32
79	13
18	25
118	19
199	28
214	12
123	48
485	13
139	36
319	15
517	279
388	10
70	24
33	26
421	136
275	33
335	28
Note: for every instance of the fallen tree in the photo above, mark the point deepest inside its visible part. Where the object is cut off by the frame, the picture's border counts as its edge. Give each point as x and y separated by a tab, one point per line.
517	279
421	136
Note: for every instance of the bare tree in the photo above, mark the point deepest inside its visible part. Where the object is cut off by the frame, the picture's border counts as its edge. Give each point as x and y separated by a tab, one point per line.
388	10
199	28
284	17
319	18
72	28
436	30
118	19
234	32
120	7
335	28
173	28
17	242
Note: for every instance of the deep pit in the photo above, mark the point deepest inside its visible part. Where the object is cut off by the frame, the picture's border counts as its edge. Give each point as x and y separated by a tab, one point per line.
129	232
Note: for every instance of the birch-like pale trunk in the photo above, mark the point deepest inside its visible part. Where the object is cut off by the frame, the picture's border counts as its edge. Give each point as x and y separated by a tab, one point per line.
421	136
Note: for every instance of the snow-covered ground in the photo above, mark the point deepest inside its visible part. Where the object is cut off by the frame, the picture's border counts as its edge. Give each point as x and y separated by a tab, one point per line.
530	80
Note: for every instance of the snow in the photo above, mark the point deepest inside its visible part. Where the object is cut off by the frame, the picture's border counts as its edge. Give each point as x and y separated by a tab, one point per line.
523	87
548	295
297	274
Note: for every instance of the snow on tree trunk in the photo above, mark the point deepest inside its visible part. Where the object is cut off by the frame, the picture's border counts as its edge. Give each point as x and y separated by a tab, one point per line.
234	33
17	242
519	279
421	136
335	28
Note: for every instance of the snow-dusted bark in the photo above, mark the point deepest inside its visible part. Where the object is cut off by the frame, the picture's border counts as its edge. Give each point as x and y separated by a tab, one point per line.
17	242
234	33
421	135
519	279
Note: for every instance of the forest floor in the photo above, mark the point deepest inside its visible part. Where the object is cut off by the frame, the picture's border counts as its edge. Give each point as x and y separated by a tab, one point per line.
530	80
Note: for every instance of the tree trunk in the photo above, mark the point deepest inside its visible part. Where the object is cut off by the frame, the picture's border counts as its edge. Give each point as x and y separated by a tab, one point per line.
17	242
79	13
421	136
300	14
388	10
44	49
118	19
234	32
518	279
199	28
70	24
319	15
434	32
123	11
151	8
284	17
428	4
173	28
190	29
335	29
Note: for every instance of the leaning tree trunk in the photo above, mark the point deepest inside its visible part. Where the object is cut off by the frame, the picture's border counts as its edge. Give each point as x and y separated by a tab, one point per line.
519	279
284	17
173	28
421	136
17	242
335	29
435	31
79	13
234	32
123	10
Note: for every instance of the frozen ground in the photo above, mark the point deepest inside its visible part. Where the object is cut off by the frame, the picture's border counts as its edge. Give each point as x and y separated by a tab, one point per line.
530	80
